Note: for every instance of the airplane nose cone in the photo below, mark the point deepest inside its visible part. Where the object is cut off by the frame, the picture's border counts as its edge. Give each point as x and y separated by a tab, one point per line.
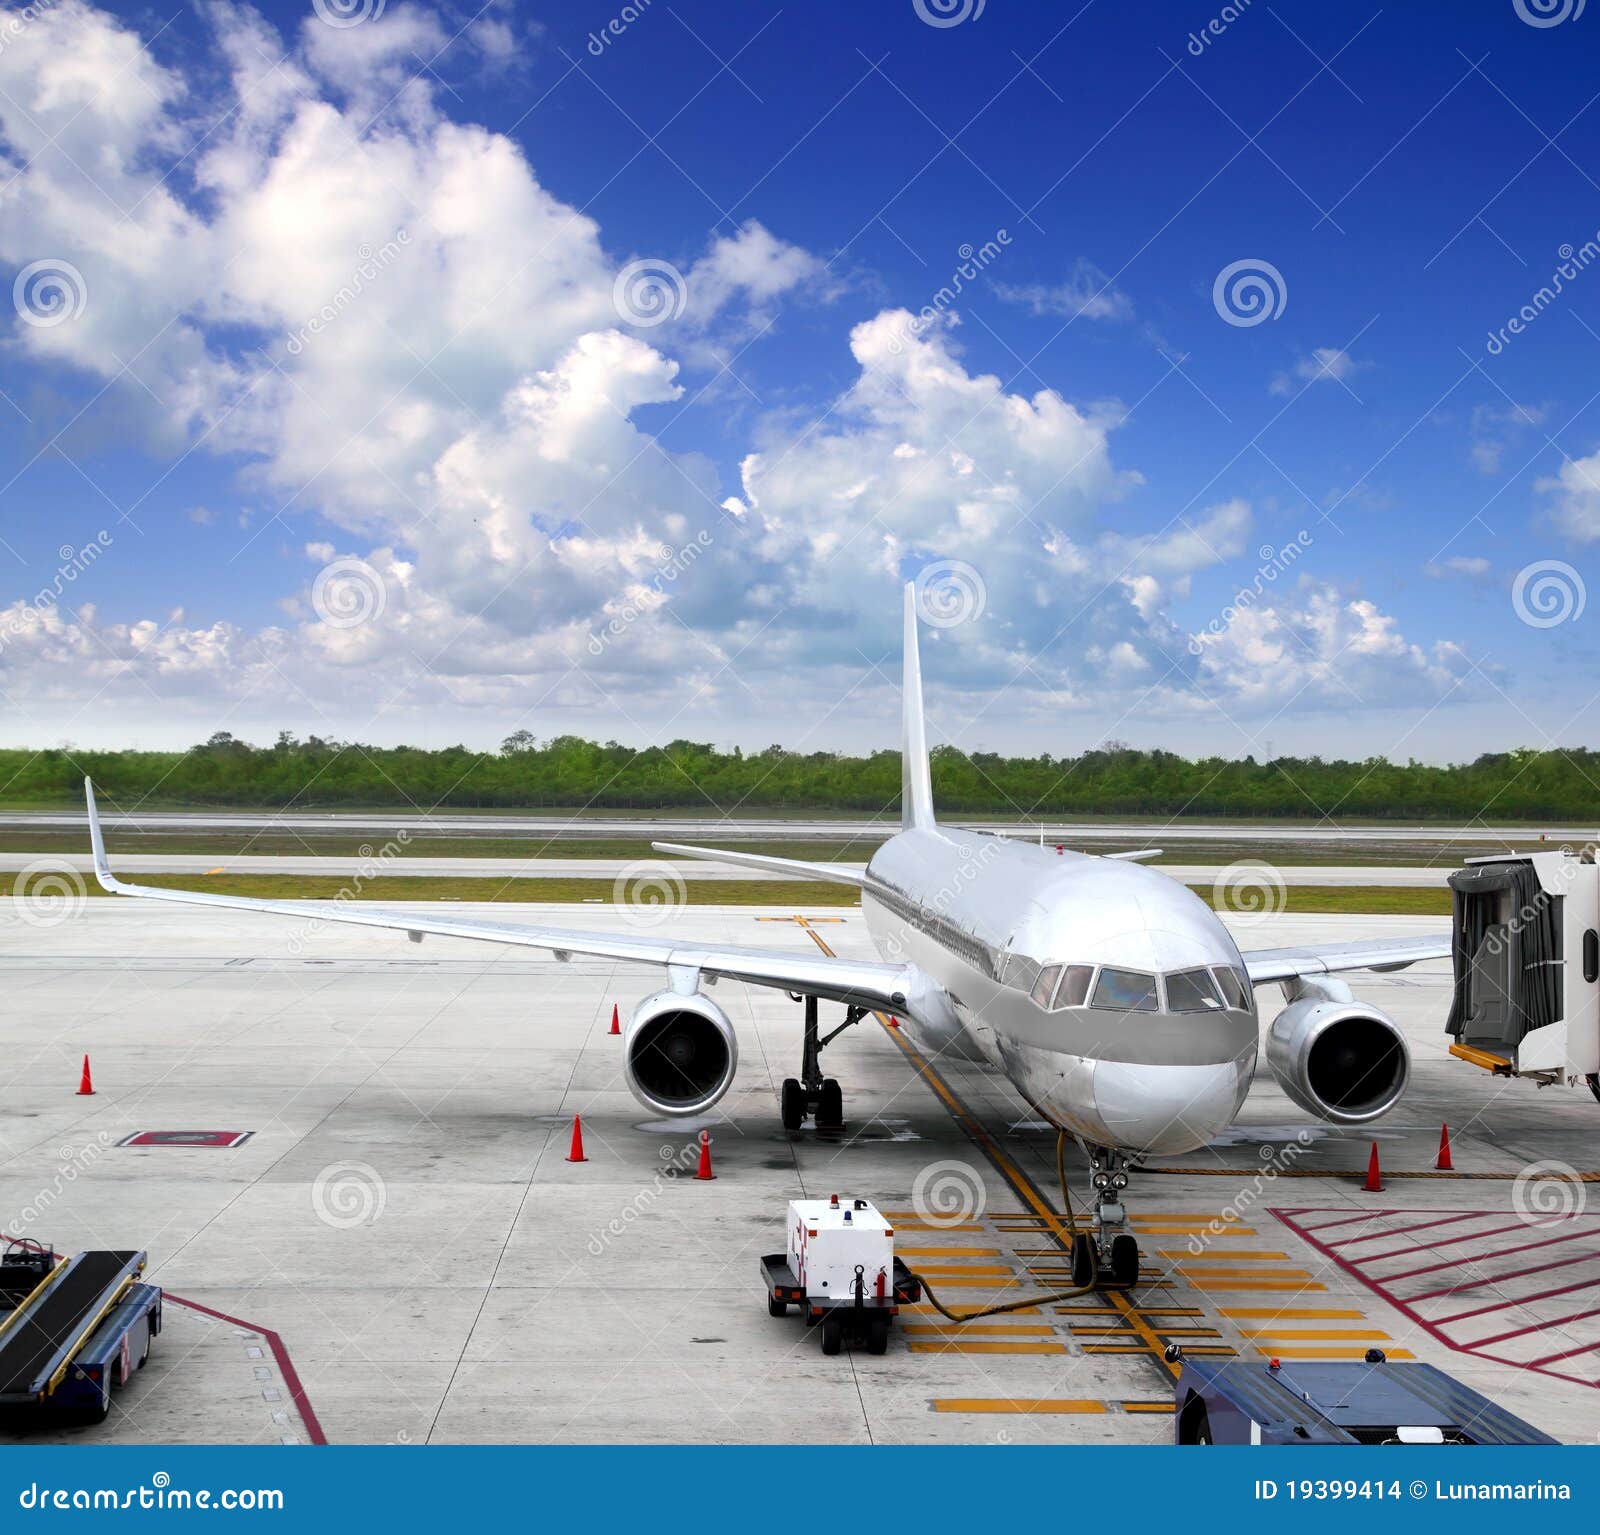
1167	1109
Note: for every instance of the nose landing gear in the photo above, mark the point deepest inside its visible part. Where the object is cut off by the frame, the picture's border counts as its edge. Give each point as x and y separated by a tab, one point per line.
1108	1256
814	1094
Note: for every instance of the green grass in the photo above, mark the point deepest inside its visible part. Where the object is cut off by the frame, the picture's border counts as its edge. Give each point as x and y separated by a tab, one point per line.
799	894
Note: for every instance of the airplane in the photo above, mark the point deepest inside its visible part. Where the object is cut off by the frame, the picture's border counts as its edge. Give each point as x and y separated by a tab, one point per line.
1112	997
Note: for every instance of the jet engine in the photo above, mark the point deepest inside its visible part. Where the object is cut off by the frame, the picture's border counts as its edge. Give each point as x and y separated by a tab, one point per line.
1340	1059
680	1052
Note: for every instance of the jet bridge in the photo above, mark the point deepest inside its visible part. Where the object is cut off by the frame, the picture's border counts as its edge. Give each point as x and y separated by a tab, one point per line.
1526	962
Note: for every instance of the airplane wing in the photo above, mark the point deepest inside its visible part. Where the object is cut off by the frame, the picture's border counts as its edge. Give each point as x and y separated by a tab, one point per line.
1329	959
1138	856
867	983
835	873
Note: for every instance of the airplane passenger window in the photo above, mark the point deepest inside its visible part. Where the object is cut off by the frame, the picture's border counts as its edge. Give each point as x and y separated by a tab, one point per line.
1074	989
1192	991
1234	988
1045	986
1126	991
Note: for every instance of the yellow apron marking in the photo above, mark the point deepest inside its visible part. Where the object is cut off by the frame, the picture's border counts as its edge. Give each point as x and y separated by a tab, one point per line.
980	1330
955	1346
1291	1314
948	1252
1010	1404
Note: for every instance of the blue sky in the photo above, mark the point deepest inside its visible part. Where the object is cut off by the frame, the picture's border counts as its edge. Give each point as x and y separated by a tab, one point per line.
326	335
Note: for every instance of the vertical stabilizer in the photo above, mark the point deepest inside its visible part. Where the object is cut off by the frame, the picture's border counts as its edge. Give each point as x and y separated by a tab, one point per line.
916	787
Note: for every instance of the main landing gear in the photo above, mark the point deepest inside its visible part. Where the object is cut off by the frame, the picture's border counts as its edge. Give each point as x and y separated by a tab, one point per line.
1108	1256
813	1093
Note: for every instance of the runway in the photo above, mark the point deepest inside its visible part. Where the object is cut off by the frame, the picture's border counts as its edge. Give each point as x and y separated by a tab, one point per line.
403	1219
199	865
710	828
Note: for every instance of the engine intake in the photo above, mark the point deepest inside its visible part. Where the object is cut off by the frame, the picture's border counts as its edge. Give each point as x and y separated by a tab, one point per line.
1342	1060
680	1053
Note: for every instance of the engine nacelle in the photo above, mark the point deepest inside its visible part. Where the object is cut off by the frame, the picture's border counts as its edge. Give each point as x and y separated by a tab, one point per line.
1343	1060
680	1052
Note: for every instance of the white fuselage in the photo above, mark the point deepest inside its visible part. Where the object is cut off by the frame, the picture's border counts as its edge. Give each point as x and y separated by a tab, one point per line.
1147	1045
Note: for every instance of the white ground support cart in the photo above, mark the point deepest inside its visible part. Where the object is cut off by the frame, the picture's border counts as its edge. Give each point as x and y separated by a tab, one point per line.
1526	959
841	1271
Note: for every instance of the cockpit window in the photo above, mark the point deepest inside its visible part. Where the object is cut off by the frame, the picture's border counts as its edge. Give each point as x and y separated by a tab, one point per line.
1233	987
1126	991
1022	972
1074	988
1193	991
1045	986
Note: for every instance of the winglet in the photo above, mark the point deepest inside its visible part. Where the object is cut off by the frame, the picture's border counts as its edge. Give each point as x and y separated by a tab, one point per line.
102	869
916	785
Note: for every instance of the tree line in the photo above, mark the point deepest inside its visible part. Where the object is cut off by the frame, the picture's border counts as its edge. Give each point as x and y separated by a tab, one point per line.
569	772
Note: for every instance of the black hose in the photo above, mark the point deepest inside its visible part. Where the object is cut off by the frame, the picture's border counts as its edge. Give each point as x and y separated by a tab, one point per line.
1032	1300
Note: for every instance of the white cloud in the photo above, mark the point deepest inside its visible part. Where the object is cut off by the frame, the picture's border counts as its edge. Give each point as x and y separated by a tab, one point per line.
1471	566
1319	646
1495	428
1325	362
1575	489
1087	292
394	324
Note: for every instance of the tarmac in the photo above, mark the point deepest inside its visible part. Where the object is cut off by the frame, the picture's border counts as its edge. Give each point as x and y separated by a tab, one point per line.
420	867
400	1252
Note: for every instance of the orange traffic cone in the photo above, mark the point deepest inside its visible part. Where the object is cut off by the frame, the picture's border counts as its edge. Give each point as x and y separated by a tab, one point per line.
616	1022
576	1153
1444	1164
86	1082
1374	1183
894	1023
703	1172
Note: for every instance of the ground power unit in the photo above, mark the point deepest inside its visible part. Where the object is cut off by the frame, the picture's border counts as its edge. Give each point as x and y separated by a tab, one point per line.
1526	961
840	1270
